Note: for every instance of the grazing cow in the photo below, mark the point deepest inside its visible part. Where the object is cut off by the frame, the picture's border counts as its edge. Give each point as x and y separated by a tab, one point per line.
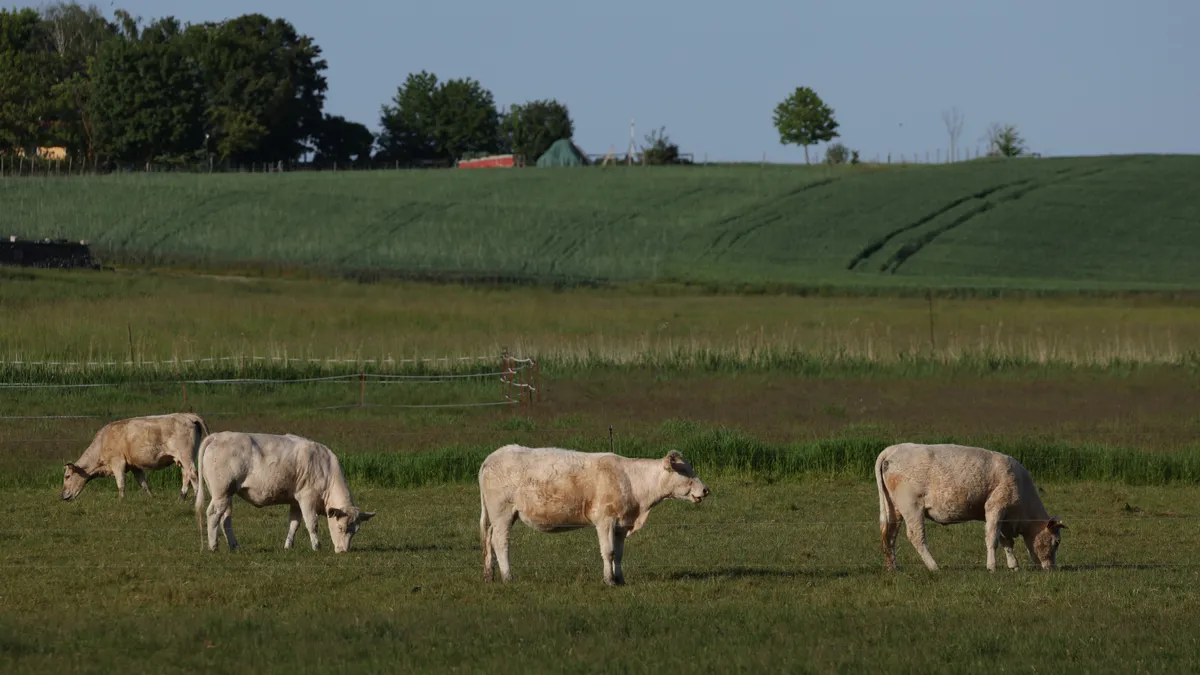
138	444
269	470
954	484
554	490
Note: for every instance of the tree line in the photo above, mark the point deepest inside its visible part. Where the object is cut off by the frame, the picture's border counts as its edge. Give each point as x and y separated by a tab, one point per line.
247	90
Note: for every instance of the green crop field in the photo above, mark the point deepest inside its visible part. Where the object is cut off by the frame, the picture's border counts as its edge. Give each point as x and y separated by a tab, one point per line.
1120	222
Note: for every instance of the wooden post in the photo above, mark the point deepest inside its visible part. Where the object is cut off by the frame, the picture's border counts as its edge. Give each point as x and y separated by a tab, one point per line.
537	377
362	389
185	405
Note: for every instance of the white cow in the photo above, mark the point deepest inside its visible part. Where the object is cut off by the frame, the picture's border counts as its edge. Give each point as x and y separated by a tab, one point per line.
138	444
268	470
953	484
554	490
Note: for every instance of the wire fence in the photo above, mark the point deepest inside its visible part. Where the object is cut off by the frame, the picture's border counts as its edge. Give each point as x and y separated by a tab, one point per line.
519	379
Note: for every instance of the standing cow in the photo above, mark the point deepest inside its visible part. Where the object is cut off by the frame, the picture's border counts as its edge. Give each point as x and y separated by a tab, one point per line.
270	470
554	490
954	484
138	444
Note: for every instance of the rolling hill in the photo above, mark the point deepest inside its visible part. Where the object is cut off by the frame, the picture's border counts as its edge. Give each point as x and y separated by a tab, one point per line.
1115	222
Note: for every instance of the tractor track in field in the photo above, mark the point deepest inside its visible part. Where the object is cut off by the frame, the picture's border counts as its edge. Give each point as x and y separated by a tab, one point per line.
911	248
577	242
724	241
872	248
395	228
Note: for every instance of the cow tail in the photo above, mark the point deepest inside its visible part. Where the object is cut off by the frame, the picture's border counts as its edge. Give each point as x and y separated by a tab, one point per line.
199	433
885	500
485	523
200	488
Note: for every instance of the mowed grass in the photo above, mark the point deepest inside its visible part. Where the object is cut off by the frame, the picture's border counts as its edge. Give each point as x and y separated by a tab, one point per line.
783	577
1120	222
117	317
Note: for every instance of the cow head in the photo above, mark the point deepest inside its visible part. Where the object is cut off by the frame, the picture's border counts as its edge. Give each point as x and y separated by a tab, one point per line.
1046	541
74	478
344	524
680	481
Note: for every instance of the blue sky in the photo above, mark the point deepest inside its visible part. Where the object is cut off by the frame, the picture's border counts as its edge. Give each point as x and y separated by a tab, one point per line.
1077	77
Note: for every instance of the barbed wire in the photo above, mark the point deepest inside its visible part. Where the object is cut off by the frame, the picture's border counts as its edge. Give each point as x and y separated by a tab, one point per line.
381	378
237	359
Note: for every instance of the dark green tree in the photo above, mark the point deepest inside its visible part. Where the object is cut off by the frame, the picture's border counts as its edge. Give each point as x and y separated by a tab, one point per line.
1005	141
147	102
467	120
342	141
265	88
409	124
431	120
804	119
27	74
529	129
659	149
74	34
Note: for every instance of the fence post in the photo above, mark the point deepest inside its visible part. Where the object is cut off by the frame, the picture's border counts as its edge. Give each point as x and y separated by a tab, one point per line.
537	378
362	389
185	405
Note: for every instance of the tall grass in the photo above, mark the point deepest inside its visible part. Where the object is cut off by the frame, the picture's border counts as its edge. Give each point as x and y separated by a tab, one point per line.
722	452
1075	223
160	323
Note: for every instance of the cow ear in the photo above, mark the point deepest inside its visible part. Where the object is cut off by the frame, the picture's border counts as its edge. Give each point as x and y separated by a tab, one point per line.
672	457
1056	524
73	467
334	512
365	515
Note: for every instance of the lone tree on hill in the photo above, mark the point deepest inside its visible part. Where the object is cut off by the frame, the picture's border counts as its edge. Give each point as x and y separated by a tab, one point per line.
1005	141
804	119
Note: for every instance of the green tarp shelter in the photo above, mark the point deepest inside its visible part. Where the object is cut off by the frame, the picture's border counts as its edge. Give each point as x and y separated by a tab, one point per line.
562	153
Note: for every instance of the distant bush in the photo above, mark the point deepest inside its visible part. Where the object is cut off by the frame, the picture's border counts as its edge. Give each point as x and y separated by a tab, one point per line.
837	154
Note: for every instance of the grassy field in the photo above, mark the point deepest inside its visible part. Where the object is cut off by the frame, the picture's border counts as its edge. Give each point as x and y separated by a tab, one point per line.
104	316
780	400
758	578
1122	222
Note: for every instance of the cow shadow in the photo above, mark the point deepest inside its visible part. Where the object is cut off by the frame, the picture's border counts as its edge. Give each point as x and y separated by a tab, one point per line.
407	548
743	572
1131	567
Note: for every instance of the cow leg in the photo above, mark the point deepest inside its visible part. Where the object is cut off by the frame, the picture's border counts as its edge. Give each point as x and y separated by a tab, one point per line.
1007	543
309	513
190	479
914	522
220	515
500	528
991	538
605	530
140	476
227	525
618	552
294	516
118	472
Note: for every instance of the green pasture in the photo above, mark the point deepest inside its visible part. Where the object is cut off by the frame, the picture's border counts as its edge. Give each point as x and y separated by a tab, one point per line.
783	577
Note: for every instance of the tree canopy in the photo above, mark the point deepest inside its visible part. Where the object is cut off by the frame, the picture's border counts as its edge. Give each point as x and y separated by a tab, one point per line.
804	119
529	129
432	120
148	98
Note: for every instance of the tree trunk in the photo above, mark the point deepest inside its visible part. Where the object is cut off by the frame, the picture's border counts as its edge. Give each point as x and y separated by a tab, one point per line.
806	154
